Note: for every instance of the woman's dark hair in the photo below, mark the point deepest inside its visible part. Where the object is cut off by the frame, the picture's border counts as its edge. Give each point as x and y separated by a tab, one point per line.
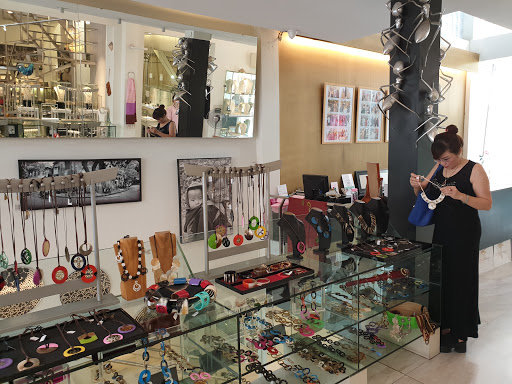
159	112
448	141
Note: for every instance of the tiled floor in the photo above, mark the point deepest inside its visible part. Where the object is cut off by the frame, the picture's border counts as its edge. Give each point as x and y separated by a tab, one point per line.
488	359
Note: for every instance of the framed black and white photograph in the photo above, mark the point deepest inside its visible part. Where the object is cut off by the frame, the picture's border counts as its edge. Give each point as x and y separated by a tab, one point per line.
191	200
125	188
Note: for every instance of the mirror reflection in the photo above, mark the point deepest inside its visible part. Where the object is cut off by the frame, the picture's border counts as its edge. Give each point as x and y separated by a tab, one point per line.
60	77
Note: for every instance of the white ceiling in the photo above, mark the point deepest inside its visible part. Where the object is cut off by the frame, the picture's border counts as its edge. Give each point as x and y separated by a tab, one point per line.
331	20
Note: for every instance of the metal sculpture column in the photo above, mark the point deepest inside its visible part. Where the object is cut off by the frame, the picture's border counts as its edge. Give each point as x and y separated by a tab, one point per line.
404	156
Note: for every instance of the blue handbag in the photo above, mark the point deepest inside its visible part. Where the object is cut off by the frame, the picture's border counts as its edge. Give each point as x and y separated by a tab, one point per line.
421	215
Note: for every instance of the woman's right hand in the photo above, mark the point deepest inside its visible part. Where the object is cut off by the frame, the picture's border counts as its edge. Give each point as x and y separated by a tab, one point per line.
415	180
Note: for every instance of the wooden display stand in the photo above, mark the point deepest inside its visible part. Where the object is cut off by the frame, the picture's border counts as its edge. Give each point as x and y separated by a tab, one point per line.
131	260
373	182
163	248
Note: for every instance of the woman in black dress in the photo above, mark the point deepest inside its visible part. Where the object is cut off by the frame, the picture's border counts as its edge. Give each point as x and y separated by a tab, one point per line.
457	228
165	127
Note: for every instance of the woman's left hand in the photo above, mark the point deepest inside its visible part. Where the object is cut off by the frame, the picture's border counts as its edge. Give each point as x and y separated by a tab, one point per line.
453	192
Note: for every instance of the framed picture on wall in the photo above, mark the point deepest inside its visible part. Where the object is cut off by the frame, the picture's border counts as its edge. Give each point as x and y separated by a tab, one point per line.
124	189
370	121
191	200
338	114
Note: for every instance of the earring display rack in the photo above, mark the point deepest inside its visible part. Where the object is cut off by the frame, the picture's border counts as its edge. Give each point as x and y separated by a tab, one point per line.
50	314
232	172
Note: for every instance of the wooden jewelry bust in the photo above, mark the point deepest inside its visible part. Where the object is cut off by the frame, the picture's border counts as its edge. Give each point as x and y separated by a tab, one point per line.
132	288
164	264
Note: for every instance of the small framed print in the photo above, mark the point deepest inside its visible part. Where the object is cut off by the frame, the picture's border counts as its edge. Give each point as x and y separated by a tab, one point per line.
370	120
338	114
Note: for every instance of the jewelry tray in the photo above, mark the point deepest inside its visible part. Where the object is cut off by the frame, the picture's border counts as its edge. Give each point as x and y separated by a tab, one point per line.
56	358
384	255
275	280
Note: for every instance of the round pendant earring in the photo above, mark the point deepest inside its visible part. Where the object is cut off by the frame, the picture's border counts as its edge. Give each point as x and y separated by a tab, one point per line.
89	273
112	338
238	240
47	348
78	262
26	256
5	362
249	234
59	275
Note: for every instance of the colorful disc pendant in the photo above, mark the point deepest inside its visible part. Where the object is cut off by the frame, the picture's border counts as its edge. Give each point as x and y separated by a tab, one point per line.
254	223
47	348
301	247
46	247
87	338
220	229
59	275
212	241
260	232
225	242
249	234
78	262
5	362
238	240
4	260
126	328
28	363
26	256
112	338
89	273
73	351
85	249
66	252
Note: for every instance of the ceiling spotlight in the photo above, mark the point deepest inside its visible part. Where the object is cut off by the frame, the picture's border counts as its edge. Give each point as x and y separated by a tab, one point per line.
9	12
292	33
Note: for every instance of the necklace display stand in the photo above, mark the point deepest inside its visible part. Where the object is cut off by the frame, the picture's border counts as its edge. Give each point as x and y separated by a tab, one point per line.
373	182
366	219
163	248
343	216
50	314
296	231
233	172
320	222
379	208
130	252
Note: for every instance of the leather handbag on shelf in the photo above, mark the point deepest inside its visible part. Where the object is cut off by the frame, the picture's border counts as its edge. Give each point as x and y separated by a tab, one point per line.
418	315
421	215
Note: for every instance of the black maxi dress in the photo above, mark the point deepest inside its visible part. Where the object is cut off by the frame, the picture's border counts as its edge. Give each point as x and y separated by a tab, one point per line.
458	230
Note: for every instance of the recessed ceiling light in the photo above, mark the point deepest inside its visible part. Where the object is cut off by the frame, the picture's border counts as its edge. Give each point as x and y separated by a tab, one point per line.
87	22
9	12
149	33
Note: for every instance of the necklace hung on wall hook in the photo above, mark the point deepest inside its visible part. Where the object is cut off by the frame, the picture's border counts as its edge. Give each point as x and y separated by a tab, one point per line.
26	255
249	234
60	273
227	189
215	239
10	205
238	239
38	275
46	242
4	260
261	231
89	272
66	185
78	260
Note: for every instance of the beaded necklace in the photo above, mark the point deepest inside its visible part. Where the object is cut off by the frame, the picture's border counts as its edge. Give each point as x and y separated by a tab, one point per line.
140	271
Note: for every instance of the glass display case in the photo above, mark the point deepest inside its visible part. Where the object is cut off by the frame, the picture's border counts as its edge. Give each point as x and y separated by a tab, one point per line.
324	326
238	105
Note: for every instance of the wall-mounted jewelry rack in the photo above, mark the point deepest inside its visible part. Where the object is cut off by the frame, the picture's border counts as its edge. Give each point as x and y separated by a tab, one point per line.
34	318
232	172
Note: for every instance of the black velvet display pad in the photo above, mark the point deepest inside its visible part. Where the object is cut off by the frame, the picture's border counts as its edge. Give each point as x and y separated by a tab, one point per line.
398	250
55	358
274	282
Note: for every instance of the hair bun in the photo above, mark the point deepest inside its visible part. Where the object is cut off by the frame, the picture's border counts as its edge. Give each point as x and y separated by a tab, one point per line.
452	129
161	106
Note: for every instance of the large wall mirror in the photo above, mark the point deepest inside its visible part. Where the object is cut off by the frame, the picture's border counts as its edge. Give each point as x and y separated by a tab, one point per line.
68	77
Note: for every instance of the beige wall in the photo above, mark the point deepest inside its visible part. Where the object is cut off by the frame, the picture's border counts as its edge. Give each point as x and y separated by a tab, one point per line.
303	70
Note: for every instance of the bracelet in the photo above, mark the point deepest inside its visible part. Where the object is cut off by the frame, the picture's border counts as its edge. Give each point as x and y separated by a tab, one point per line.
182	294
230	277
467	198
204	298
249	283
262	281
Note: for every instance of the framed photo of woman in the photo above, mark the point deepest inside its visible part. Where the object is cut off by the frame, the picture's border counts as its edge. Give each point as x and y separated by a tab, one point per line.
370	120
338	114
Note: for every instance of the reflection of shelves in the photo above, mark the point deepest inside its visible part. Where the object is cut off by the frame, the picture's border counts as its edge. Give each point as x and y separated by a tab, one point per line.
239	94
236	115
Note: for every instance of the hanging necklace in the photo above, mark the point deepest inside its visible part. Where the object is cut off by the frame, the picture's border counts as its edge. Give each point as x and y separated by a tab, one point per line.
238	239
78	260
65	185
220	228
254	221
89	272
368	229
261	231
46	242
60	273
249	234
348	226
432	204
10	205
215	239
225	241
29	362
38	275
45	348
452	173
85	337
72	350
26	256
125	276
301	247
4	260
124	328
